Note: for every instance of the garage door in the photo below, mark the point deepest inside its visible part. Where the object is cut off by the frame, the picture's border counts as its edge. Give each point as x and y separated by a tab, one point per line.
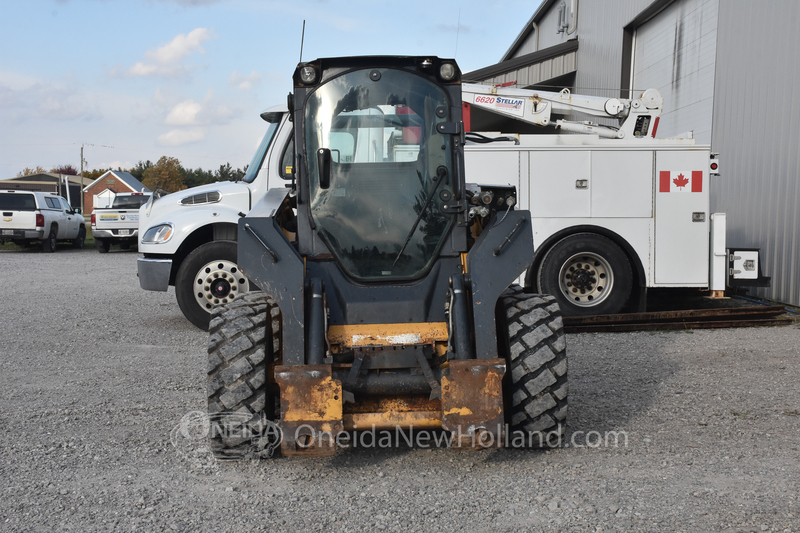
675	52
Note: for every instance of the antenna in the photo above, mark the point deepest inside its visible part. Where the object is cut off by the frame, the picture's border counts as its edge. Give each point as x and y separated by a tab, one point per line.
302	39
458	29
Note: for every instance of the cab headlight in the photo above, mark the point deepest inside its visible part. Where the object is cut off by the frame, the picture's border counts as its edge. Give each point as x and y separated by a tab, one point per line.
308	74
158	234
447	71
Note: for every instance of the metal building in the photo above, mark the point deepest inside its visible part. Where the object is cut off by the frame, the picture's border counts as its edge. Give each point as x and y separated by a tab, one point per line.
727	70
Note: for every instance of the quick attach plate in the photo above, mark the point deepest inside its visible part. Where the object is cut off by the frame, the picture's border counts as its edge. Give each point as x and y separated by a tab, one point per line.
311	410
472	403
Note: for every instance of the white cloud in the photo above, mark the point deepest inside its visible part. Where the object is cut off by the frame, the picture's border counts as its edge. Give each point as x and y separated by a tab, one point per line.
209	112
184	114
23	98
244	82
181	136
168	60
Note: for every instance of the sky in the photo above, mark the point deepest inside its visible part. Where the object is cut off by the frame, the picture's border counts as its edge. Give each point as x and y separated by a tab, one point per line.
134	80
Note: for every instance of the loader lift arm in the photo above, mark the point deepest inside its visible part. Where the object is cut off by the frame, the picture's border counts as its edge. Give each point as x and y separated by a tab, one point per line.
638	117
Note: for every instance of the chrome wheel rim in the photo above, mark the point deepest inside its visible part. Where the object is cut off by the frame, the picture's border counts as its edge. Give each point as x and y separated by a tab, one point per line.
218	283
586	279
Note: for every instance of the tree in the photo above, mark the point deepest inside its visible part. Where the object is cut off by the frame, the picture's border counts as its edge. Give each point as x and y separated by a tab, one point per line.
138	171
27	171
227	173
65	169
96	173
198	176
166	174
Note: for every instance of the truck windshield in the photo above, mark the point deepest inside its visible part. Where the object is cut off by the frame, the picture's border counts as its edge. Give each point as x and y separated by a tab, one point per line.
380	126
12	201
261	152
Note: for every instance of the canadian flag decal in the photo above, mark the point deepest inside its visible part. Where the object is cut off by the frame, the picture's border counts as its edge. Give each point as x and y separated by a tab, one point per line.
680	181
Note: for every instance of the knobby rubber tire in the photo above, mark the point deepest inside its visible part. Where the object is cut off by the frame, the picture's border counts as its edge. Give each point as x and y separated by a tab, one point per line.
532	340
244	339
608	251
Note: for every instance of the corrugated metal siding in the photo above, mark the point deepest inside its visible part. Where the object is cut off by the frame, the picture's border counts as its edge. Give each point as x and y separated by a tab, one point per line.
543	71
675	53
756	113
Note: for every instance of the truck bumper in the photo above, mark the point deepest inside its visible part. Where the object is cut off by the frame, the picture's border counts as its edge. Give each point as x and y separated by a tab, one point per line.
21	234
110	234
154	273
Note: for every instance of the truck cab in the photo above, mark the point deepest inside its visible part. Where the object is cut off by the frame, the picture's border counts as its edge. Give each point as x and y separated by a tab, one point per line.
188	238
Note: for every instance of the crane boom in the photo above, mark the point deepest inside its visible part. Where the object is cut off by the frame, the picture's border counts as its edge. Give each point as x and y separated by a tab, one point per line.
638	117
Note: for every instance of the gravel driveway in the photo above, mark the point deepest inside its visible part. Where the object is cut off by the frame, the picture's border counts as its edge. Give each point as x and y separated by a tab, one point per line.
97	375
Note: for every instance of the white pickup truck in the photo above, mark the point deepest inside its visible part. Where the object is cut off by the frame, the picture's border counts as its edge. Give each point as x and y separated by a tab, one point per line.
37	216
118	224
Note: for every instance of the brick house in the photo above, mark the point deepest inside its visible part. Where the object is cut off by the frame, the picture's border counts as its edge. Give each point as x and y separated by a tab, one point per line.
114	181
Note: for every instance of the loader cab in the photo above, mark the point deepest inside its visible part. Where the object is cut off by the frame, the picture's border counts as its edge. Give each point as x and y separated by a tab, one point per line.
378	151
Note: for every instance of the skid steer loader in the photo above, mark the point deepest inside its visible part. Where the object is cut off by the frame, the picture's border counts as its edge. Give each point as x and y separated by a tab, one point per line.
386	295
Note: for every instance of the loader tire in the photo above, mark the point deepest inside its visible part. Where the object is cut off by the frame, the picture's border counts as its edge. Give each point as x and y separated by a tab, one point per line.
531	337
244	339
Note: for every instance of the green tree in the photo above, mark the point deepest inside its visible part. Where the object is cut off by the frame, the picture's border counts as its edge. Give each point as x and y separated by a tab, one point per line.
198	176
166	174
138	171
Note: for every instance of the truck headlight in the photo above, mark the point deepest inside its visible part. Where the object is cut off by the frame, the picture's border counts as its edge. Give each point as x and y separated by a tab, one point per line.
158	234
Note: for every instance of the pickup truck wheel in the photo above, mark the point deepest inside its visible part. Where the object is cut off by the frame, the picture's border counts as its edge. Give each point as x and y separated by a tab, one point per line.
208	277
49	244
243	343
531	338
103	245
78	241
588	274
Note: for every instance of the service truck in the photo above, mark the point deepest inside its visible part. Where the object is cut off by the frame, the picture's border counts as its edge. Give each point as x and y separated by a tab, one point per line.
615	210
118	224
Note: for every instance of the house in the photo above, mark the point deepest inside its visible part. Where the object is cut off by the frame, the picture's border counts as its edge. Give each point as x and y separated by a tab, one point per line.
727	70
101	192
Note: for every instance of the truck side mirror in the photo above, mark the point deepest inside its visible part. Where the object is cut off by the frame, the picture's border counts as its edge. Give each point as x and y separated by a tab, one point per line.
324	165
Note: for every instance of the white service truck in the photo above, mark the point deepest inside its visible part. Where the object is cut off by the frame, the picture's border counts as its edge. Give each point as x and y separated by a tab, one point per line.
615	210
30	216
118	224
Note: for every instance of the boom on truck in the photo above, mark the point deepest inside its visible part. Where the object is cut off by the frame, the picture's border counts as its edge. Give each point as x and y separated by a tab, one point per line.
615	210
385	302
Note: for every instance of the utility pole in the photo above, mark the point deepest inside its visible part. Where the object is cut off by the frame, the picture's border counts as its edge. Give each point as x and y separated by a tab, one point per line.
82	213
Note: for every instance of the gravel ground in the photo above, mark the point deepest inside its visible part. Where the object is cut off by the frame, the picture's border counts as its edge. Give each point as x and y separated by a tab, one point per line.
97	374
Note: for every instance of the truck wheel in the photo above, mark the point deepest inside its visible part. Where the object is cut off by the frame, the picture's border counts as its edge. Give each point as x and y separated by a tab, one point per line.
588	274
78	241
208	277
244	340
531	338
103	245
49	244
